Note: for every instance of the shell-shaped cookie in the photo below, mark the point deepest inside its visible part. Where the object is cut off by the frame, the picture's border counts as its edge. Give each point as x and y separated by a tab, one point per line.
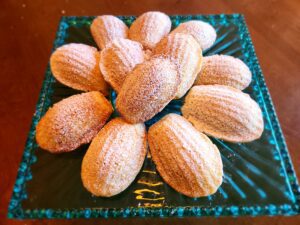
147	90
224	70
77	66
185	158
114	158
223	112
72	122
107	28
186	53
149	28
118	59
203	32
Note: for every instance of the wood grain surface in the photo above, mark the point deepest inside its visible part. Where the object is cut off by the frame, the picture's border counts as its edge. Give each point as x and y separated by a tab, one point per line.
27	31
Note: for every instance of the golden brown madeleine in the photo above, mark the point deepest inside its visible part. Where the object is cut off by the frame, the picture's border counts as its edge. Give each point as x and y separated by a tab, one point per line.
147	90
77	66
107	28
186	53
185	158
224	70
223	112
118	59
203	32
72	122
114	158
149	28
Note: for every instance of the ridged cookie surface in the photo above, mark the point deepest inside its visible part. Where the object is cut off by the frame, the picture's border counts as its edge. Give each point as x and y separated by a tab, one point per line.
223	112
107	28
118	59
185	158
186	53
72	122
224	70
77	66
147	90
203	32
149	28
114	158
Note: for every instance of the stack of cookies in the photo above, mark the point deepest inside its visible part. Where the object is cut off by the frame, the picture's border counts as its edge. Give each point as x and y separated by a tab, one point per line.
148	65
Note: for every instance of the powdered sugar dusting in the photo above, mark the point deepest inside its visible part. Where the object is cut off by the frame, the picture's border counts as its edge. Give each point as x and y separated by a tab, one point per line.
203	32
118	59
149	28
76	65
148	89
223	112
224	70
73	121
107	28
114	158
185	158
186	53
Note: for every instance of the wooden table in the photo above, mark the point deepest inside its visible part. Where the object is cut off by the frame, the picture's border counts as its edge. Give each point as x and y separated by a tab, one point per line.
27	33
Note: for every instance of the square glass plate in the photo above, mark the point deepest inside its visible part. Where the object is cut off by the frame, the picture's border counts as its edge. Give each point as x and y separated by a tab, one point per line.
259	177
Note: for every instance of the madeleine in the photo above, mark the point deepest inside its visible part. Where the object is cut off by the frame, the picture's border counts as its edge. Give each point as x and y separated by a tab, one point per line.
203	32
186	159
114	158
118	59
147	90
72	122
149	28
107	28
223	112
77	66
186	53
224	70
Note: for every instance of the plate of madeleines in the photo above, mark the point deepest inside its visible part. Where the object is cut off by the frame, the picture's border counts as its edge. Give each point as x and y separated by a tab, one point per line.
154	115
147	65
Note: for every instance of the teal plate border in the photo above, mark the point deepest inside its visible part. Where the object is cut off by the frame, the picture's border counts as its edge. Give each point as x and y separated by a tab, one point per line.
15	209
